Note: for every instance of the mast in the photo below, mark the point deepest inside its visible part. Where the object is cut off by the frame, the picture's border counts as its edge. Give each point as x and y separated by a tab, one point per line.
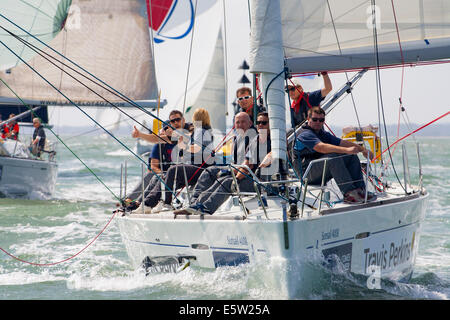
266	58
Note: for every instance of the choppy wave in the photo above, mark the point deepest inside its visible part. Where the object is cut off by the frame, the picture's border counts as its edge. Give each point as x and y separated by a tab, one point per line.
50	231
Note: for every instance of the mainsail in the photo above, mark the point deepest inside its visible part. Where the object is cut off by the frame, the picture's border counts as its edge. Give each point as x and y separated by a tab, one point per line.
339	35
108	38
325	35
185	36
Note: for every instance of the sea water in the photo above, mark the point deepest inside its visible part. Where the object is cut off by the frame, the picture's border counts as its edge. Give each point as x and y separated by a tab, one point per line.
70	248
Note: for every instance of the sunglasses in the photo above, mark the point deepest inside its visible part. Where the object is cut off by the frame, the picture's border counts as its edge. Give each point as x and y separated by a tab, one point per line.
244	98
262	122
290	89
318	119
175	120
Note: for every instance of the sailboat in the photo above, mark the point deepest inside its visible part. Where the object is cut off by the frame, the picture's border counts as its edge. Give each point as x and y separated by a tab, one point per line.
377	239
23	174
66	56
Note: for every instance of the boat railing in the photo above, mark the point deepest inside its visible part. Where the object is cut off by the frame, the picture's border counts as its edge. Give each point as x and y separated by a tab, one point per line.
419	159
256	182
323	186
406	169
305	182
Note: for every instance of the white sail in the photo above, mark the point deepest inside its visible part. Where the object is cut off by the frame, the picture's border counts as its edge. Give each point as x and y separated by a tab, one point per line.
108	38
212	96
339	35
185	35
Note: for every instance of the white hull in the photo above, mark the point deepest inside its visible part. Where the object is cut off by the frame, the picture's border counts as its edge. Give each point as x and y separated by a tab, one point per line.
27	178
384	233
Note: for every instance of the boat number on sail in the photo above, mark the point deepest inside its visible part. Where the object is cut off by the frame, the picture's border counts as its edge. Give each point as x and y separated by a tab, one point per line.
389	255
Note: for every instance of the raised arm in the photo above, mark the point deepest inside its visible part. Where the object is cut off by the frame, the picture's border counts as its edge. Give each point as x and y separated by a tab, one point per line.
327	84
152	138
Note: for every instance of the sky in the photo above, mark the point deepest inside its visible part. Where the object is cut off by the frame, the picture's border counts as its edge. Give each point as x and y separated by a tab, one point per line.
424	93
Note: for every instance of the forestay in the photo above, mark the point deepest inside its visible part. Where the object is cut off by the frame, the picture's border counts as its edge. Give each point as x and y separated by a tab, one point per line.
109	39
338	34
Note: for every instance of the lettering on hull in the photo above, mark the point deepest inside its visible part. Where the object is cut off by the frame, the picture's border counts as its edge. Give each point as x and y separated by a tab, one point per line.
390	255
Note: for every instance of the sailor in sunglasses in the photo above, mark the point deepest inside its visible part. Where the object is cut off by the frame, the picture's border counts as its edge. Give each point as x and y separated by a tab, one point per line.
245	101
313	142
302	101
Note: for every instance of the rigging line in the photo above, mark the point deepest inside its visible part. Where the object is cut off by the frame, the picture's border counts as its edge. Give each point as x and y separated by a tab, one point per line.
340	51
318	9
290	114
220	144
249	14
78	107
376	68
32	25
149	8
225	55
270	83
58	137
387	66
96	129
37	9
32	47
400	107
189	59
379	91
92	75
67	259
411	133
408	123
326	125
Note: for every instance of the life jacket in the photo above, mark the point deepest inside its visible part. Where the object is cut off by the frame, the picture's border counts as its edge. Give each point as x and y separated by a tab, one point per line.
296	104
299	109
3	131
11	128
